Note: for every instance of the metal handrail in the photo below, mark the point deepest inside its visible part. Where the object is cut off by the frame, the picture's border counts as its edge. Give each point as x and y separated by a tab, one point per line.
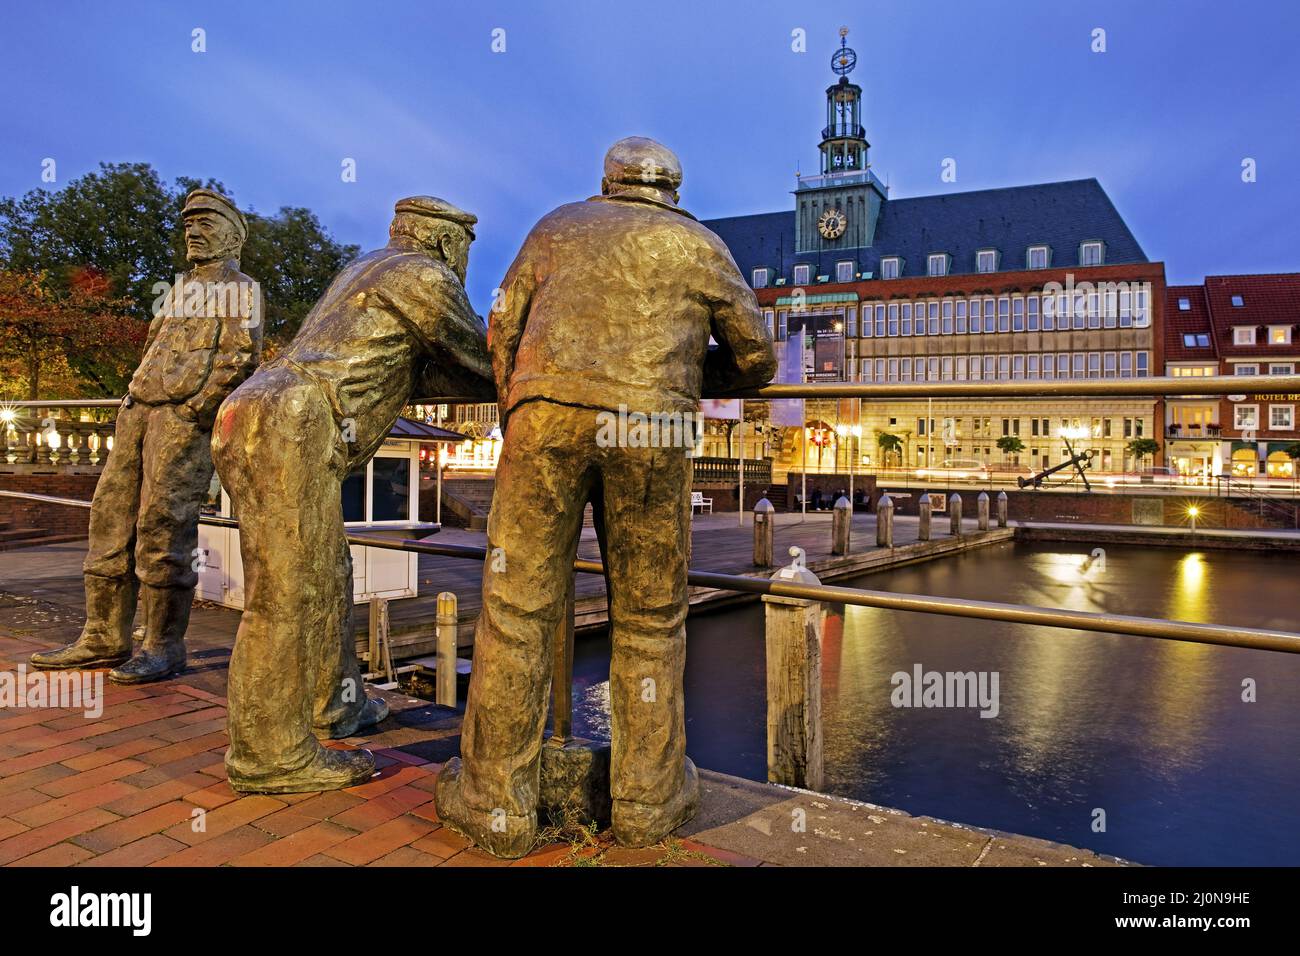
1021	388
1187	631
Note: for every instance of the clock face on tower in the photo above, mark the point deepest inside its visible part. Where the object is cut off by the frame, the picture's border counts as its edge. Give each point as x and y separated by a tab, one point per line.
831	224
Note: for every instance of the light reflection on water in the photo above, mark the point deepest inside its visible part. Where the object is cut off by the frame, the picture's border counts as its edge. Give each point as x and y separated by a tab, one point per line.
1153	732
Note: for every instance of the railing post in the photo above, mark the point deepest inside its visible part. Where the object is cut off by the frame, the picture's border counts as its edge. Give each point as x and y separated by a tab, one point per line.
378	634
763	514
794	673
562	673
885	522
1002	509
841	526
954	513
982	509
447	629
923	517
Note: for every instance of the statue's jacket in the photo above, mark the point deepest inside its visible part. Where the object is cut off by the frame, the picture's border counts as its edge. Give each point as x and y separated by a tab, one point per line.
612	301
394	325
197	360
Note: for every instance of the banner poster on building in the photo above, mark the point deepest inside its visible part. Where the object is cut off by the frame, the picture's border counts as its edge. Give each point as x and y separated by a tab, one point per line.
828	355
788	412
728	408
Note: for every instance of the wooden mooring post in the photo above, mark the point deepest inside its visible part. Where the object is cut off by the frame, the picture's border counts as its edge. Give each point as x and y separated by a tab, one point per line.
763	528
841	526
794	682
446	628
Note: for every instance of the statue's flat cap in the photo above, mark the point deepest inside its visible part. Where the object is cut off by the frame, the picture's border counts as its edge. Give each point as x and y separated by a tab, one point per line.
436	208
207	200
638	161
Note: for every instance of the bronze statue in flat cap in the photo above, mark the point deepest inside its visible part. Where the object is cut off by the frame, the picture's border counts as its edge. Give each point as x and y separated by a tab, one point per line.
607	310
393	325
205	338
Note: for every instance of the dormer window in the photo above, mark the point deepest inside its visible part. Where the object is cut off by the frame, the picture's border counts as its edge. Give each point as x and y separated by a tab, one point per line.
844	271
1184	305
1243	335
986	260
760	278
890	267
801	274
1090	254
938	264
1037	257
1279	335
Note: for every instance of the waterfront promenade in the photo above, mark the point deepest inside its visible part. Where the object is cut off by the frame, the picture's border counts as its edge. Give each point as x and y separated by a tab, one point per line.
125	787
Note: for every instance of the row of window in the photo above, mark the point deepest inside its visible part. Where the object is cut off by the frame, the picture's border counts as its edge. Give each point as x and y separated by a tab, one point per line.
1021	313
1185	304
974	368
1238	368
1280	417
937	264
1241	335
1037	428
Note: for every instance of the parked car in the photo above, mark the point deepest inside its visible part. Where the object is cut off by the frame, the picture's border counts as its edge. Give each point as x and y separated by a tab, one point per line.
956	469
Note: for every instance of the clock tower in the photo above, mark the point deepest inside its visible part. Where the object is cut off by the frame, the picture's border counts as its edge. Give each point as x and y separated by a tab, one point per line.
836	211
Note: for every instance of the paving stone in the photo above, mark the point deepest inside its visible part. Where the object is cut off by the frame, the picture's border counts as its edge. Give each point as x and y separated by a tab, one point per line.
92	778
226	817
382	839
130	829
142	852
61	854
47	811
297	846
219	850
442	842
38	838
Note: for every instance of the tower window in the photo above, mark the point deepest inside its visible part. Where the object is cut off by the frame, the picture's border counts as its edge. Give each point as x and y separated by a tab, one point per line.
801	274
986	260
890	267
844	271
760	278
938	264
1090	254
1037	257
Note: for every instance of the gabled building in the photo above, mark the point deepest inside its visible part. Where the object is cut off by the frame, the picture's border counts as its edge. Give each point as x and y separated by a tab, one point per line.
1028	282
1234	325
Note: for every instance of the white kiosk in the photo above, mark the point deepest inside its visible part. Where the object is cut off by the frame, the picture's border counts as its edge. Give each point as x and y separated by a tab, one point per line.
381	497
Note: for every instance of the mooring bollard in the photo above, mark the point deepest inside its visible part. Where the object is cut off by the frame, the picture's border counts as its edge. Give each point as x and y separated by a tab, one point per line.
841	526
794	681
923	507
885	522
763	512
1002	509
954	513
982	509
444	687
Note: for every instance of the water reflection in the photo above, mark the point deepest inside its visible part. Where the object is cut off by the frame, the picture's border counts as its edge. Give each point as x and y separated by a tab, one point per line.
1154	732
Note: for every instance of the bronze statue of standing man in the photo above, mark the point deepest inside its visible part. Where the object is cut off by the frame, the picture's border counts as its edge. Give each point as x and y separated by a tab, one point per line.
607	310
205	338
393	325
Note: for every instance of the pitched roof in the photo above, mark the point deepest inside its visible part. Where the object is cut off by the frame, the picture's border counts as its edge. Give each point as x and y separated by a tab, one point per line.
1060	215
1196	319
1272	299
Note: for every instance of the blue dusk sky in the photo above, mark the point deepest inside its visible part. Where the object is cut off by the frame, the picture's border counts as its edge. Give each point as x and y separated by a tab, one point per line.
414	93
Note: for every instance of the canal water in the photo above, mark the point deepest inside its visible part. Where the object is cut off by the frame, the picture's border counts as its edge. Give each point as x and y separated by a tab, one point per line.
1150	738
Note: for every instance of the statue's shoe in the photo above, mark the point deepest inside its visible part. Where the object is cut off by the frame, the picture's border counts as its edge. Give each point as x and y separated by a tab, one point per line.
147	667
503	835
77	656
643	824
329	770
374	712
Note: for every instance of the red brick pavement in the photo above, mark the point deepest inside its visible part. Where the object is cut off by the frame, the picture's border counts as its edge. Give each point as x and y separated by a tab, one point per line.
143	784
